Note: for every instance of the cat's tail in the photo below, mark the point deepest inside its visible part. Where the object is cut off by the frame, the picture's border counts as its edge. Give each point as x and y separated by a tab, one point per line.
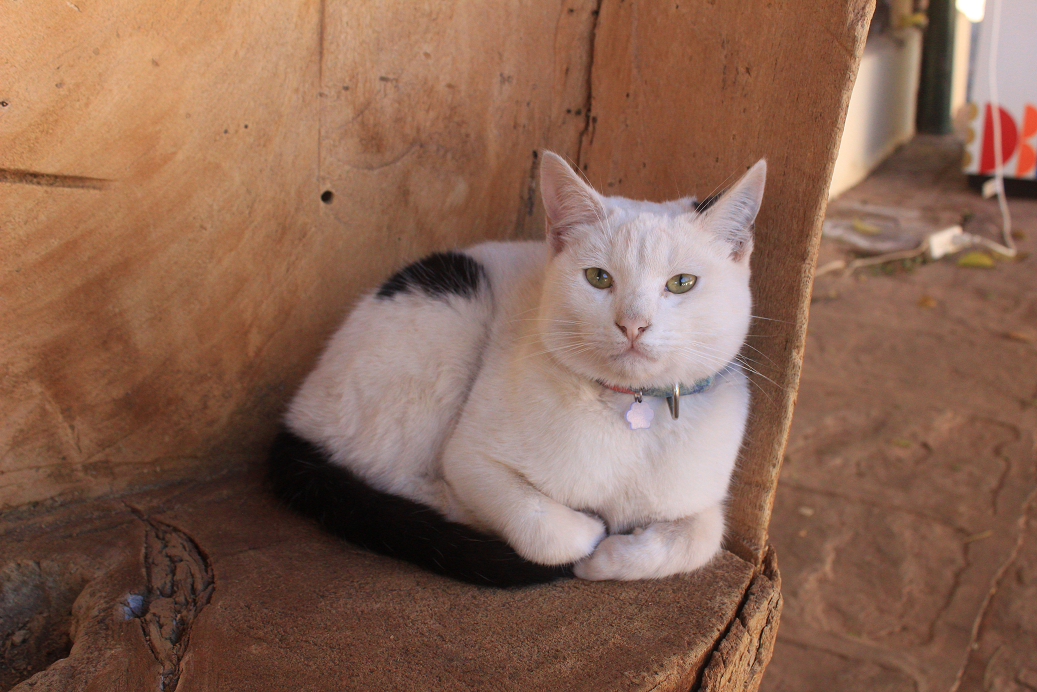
303	477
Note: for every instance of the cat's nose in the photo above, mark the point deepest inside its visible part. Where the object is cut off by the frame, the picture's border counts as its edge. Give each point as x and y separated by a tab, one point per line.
632	328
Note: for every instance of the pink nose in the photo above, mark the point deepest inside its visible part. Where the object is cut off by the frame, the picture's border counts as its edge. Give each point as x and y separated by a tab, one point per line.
632	329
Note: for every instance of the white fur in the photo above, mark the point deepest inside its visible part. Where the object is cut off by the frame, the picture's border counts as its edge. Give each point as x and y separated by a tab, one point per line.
490	409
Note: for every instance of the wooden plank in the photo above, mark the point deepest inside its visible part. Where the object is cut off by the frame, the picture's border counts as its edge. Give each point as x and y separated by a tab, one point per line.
161	175
686	96
263	596
168	265
739	660
170	271
193	193
432	117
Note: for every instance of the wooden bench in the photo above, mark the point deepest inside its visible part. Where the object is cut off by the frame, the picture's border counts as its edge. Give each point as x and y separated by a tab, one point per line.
193	194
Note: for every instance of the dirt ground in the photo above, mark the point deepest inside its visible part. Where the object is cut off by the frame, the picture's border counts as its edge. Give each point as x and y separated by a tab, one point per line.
906	516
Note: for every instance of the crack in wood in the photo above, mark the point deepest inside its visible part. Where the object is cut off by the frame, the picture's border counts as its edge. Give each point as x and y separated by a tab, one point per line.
587	133
744	648
179	583
17	176
531	184
36	602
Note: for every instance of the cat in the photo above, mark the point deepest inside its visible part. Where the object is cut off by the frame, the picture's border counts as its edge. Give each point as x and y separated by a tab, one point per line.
506	414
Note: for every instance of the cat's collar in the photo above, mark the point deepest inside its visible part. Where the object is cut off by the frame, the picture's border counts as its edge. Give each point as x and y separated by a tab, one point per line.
678	389
671	394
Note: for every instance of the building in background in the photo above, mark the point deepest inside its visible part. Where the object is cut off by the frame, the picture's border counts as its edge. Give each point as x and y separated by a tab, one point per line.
884	106
1001	117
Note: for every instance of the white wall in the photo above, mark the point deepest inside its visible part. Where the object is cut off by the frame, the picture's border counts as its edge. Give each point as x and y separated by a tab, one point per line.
881	115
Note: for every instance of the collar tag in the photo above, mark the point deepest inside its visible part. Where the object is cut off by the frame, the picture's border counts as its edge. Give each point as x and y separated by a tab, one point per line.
639	415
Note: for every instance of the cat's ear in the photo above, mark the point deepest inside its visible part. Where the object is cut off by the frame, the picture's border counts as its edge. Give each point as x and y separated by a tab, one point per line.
568	201
731	215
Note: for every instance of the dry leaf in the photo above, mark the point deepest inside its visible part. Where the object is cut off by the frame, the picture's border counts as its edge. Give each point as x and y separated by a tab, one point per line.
1027	335
927	302
865	227
976	259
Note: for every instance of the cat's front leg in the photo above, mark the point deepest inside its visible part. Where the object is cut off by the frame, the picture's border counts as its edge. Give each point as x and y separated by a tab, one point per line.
539	528
659	550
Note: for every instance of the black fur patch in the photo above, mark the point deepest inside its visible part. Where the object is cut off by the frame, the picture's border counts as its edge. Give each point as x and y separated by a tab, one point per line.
438	274
304	479
705	204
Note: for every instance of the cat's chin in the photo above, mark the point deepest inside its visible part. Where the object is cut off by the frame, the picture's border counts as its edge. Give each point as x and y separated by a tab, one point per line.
648	372
637	371
611	373
636	359
633	363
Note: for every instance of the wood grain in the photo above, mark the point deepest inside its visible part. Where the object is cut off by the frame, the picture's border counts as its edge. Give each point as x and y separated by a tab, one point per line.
144	318
685	97
193	193
160	306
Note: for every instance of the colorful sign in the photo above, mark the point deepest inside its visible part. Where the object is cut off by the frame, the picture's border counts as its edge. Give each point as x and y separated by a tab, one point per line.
1006	36
1018	143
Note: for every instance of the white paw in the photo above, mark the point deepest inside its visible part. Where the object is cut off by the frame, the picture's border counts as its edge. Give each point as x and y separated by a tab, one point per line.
660	550
560	535
622	557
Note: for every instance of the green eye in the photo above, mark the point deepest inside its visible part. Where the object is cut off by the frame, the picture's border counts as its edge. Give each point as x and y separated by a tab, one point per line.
681	283
598	278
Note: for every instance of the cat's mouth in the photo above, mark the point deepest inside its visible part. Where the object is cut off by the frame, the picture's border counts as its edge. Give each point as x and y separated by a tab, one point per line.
635	353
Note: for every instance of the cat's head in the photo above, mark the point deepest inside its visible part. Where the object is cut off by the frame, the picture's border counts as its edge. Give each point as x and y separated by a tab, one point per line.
643	294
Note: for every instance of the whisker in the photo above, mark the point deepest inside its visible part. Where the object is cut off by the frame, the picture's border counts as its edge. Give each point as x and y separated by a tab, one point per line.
756	372
770	319
769	359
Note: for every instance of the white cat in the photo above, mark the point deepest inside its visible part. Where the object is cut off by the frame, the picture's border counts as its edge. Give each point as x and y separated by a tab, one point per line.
520	390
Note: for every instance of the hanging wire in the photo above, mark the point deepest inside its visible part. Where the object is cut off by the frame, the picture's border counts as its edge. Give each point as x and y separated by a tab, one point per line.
995	113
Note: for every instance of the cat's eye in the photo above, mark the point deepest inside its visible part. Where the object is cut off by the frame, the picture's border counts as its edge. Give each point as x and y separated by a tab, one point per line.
598	278
681	283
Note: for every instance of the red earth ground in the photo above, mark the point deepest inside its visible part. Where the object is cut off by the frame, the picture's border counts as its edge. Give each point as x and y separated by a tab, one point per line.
906	515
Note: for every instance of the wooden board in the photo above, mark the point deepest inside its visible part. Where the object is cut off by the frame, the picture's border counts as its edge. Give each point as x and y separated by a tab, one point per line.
262	596
685	97
160	166
432	119
168	269
192	194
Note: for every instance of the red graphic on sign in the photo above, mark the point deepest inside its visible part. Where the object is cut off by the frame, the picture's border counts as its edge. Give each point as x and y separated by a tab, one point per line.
1027	154
1009	138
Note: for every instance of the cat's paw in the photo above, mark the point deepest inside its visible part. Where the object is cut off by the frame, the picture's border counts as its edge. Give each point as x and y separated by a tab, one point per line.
660	550
560	535
623	557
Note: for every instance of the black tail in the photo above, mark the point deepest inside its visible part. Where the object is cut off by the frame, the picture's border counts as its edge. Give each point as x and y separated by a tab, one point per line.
305	480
